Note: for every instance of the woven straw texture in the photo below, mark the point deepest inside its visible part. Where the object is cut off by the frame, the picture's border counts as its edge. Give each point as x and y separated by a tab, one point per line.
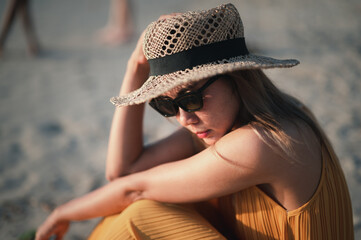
192	29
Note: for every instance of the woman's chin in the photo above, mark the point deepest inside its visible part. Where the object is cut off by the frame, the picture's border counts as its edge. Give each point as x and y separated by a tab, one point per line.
210	140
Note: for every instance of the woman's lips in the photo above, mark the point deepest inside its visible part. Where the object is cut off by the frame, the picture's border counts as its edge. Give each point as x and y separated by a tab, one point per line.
203	134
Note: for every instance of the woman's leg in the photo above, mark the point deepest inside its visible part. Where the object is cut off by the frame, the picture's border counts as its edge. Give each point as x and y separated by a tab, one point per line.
146	219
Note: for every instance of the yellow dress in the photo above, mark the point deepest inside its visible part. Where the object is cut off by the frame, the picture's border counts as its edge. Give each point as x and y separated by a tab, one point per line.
146	219
327	215
251	214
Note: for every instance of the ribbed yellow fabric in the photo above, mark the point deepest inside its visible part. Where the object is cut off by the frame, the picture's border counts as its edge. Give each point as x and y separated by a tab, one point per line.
146	219
250	213
327	215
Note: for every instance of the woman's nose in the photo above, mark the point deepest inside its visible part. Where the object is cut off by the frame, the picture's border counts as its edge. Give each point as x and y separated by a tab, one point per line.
186	118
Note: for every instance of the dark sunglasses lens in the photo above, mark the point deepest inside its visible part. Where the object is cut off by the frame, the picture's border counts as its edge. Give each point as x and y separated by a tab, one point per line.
191	102
164	107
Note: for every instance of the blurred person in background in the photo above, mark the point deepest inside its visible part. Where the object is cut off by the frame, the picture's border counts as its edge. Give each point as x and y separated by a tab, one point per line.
119	28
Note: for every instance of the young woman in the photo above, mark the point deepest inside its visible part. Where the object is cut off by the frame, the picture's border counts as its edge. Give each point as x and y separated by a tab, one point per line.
250	162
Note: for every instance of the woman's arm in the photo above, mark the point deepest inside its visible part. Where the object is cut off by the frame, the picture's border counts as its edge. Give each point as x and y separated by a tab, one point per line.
126	153
201	177
107	200
127	124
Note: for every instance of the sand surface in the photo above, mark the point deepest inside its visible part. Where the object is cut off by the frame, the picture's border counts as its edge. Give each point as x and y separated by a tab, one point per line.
55	112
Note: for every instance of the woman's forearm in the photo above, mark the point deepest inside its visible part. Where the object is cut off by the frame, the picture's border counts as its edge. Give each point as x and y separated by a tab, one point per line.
107	200
126	134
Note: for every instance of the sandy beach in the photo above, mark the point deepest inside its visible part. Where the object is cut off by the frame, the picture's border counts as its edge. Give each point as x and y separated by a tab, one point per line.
55	112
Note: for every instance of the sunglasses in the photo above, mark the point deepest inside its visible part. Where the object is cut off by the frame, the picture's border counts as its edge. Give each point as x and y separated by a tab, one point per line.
189	102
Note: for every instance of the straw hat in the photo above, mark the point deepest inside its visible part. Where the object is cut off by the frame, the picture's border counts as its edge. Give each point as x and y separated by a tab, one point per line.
193	46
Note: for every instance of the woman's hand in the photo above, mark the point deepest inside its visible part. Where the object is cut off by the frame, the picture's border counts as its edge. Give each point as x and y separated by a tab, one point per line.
138	56
52	226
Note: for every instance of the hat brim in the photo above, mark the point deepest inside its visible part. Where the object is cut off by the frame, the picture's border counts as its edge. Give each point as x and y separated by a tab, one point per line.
158	85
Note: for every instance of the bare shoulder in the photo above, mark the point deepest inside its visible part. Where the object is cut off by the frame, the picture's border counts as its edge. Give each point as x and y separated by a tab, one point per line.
245	148
251	147
290	183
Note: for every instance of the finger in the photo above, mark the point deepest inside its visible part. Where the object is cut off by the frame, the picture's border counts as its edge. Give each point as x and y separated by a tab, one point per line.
40	236
62	229
60	234
44	231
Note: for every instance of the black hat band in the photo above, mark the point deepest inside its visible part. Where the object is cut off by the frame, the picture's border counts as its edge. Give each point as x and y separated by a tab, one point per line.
198	55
